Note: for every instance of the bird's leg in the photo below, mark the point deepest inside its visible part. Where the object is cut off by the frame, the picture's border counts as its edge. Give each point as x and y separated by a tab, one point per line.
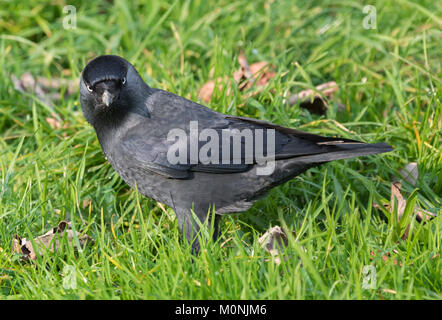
191	223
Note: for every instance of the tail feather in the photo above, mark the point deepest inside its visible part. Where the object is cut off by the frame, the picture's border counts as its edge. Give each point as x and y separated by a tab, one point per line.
345	151
310	148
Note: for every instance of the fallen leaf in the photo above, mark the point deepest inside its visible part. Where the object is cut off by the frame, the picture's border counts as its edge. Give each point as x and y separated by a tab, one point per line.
421	214
207	89
27	83
262	73
86	203
258	73
53	123
273	241
28	252
43	87
246	76
71	86
272	237
401	202
314	101
24	247
386	257
245	68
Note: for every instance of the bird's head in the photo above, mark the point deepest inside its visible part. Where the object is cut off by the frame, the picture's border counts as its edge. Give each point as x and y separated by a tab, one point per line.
109	84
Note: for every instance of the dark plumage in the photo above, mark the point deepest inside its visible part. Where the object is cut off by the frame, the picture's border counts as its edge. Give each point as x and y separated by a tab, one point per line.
132	122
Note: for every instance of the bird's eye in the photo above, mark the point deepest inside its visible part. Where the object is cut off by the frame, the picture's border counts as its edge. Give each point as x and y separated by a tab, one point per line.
89	88
124	81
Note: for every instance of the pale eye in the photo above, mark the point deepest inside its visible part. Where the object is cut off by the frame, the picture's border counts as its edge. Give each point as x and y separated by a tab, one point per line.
124	81
89	88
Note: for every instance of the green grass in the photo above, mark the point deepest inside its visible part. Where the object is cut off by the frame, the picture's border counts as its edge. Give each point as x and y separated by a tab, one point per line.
390	85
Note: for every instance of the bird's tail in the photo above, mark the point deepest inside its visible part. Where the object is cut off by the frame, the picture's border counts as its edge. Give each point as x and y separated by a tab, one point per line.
345	150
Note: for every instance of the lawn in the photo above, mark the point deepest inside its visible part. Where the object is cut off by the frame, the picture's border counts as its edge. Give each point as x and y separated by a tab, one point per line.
340	246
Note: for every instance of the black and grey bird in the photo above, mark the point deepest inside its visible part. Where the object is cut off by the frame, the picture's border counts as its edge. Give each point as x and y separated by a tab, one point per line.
133	121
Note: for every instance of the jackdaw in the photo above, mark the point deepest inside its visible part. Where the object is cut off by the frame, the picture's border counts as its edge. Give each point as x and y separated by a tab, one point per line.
190	157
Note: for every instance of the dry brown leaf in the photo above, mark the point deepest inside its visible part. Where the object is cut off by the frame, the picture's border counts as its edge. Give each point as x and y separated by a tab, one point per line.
410	174
262	72
27	83
72	86
245	68
273	241
207	89
258	73
401	202
49	240
314	101
54	123
42	86
386	257
86	203
421	214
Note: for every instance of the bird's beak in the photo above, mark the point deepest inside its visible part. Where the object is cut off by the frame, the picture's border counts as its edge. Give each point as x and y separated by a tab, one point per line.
107	98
